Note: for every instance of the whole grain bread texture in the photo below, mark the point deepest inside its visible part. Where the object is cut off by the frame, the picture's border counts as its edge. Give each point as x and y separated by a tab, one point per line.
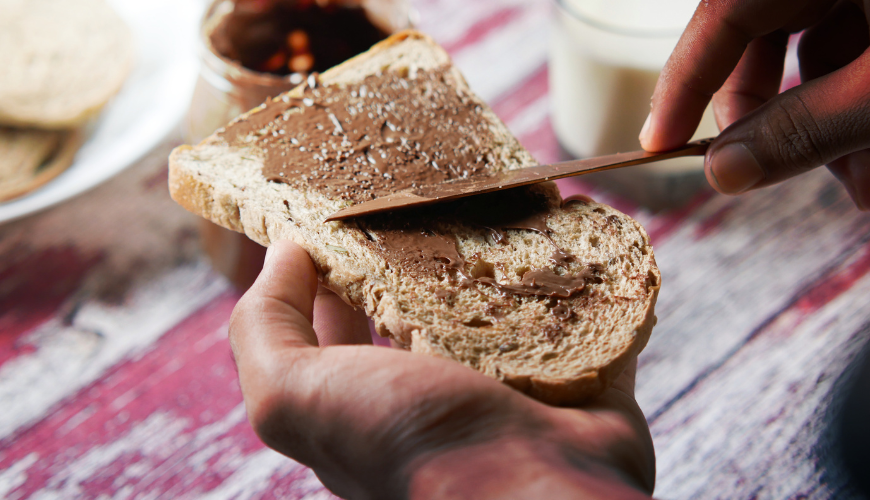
30	157
62	61
560	359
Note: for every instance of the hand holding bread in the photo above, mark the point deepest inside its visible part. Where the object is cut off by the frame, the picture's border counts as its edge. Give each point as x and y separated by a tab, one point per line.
382	423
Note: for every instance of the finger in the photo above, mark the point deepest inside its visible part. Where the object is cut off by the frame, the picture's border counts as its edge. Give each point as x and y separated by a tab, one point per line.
854	172
707	53
828	46
625	381
801	129
620	414
336	322
274	314
840	38
280	302
755	80
274	342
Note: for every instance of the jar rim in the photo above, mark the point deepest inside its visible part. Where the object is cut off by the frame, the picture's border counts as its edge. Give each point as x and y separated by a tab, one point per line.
224	65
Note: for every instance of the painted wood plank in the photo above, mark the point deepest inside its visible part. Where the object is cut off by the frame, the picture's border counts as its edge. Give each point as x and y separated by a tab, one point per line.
495	43
734	263
496	64
66	357
451	21
168	423
137	272
755	428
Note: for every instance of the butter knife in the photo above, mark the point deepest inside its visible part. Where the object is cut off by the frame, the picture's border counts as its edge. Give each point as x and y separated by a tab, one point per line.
461	188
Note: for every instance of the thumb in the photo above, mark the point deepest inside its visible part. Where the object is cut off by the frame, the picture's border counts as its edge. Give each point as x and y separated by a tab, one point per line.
272	322
804	128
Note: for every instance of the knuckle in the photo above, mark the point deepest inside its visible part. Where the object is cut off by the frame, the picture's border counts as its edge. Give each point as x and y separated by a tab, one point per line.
793	136
266	417
276	407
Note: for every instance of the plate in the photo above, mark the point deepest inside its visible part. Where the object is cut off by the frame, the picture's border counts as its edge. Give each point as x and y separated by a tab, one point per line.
150	105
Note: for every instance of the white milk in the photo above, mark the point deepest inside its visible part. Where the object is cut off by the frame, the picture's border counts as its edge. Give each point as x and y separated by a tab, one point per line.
605	58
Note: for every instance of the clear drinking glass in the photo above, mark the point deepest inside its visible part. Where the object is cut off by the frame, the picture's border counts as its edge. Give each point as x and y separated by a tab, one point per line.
224	90
605	58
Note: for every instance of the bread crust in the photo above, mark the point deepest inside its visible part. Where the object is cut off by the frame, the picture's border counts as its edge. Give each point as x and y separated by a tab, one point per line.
30	158
557	363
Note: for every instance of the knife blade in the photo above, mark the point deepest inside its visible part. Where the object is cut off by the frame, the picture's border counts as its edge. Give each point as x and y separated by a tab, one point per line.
461	188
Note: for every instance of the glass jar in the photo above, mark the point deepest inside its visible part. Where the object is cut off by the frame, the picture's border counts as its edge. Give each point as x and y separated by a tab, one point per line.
605	59
224	90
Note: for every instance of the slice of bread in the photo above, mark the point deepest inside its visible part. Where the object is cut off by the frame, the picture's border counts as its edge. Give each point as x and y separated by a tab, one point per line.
62	61
29	158
463	294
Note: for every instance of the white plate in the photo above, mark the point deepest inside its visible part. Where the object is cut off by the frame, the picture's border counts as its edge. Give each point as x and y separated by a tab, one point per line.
150	105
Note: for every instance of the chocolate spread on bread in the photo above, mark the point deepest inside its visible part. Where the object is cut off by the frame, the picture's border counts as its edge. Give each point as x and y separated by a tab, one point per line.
425	250
382	135
392	132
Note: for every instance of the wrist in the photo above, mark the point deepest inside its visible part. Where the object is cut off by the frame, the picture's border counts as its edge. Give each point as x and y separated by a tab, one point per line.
515	468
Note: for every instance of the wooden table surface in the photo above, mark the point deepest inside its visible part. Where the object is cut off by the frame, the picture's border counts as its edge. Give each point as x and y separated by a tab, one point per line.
116	378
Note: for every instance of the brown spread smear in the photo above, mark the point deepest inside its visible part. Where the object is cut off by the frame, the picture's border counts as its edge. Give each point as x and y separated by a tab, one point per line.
389	133
361	141
423	250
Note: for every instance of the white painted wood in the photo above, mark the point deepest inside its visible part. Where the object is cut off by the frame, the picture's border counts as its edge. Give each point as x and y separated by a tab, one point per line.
752	428
149	243
68	358
717	289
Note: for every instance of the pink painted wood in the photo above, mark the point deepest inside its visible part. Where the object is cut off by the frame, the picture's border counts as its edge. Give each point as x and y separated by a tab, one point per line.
116	379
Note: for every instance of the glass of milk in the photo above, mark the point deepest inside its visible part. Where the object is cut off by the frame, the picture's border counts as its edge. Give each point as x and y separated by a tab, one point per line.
605	58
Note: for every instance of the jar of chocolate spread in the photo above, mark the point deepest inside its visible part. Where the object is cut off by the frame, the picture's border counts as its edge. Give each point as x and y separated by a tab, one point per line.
255	49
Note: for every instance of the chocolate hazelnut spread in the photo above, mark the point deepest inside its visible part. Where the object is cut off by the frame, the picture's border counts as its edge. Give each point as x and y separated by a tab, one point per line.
372	138
392	132
422	250
294	36
498	221
562	312
546	283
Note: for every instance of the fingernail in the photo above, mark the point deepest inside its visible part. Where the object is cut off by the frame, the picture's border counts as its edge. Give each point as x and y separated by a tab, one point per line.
644	132
268	254
735	168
